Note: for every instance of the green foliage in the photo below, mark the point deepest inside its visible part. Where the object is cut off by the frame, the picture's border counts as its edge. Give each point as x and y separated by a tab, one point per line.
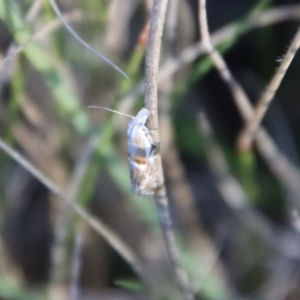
9	290
66	101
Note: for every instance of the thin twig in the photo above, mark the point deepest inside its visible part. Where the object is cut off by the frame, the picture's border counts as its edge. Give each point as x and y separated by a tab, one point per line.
111	237
81	41
283	169
266	18
230	189
248	133
6	66
158	15
118	24
179	185
76	265
236	199
191	53
171	25
74	16
33	10
14	50
202	247
58	251
241	99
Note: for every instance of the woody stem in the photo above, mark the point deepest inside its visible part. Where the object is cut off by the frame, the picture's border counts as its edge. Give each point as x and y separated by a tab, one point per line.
158	15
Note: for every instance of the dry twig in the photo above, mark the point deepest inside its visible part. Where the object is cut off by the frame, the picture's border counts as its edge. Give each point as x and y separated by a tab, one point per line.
248	133
204	251
58	251
235	198
152	62
265	18
188	55
284	170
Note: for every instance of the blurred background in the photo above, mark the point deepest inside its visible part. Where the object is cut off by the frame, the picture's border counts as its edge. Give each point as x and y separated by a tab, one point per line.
235	213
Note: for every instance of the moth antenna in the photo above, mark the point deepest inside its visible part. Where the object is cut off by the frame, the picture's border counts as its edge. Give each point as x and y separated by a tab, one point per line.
112	110
82	42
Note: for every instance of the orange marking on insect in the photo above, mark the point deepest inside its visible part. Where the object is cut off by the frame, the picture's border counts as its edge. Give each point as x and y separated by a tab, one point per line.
142	154
139	160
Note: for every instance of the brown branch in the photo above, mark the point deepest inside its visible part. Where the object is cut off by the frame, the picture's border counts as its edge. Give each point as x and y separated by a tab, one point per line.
152	63
284	170
241	99
201	245
266	18
191	53
248	133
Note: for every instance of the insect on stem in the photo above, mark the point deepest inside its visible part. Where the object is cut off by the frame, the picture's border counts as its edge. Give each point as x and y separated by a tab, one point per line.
142	153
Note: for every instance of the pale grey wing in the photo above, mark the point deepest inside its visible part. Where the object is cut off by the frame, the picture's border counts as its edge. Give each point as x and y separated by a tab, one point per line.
143	175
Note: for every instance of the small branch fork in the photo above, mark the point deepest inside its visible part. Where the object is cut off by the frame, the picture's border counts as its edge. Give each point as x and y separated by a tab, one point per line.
287	174
240	97
158	16
192	52
248	133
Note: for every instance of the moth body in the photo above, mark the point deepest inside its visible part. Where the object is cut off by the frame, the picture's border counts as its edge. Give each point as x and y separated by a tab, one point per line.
141	155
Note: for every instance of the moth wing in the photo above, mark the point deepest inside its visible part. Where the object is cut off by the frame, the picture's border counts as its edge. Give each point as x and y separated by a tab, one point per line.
143	176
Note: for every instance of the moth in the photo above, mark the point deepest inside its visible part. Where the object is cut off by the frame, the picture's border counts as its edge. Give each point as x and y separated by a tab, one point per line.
142	153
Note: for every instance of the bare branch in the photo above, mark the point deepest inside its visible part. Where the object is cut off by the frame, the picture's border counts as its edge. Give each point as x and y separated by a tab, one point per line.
201	245
188	55
248	133
235	198
265	18
284	170
152	62
241	99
